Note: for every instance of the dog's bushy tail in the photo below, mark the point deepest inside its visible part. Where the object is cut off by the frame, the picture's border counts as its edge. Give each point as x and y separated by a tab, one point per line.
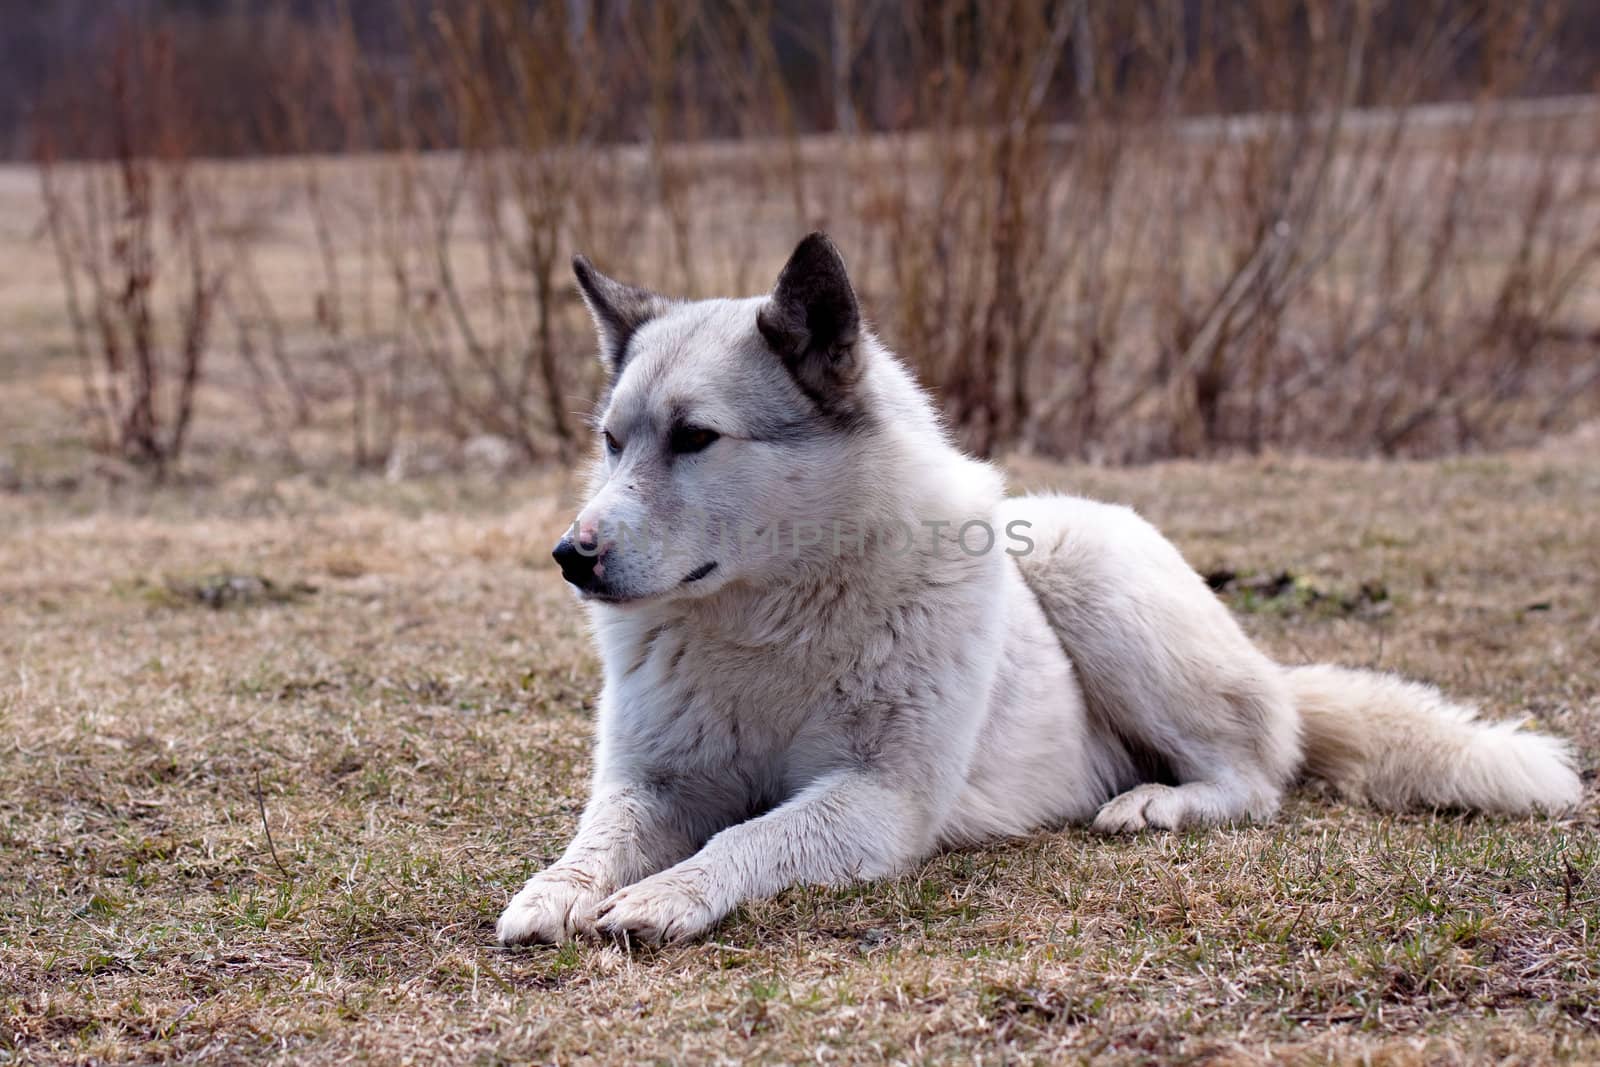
1401	745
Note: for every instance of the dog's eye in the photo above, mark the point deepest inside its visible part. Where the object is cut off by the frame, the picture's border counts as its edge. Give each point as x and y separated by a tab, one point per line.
611	444
686	439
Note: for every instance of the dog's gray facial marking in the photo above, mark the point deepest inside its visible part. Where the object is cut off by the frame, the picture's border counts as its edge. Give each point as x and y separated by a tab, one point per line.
695	351
618	311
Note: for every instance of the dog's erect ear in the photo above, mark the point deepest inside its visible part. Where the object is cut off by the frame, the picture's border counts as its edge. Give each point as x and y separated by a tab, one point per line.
812	319
618	310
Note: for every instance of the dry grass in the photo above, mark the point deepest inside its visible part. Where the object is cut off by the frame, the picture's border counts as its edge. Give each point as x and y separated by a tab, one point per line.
416	721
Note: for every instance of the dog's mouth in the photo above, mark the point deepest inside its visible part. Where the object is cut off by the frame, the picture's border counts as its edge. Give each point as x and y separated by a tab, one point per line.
699	572
600	596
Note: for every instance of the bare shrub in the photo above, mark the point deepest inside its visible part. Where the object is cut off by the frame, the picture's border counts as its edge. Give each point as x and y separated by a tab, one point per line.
482	271
367	342
1338	267
131	239
1351	310
1117	231
975	232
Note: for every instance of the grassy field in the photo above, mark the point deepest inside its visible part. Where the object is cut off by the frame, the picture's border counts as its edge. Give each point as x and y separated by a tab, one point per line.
390	678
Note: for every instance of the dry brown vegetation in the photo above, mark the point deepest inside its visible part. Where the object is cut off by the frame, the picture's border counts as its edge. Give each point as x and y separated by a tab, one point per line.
408	703
1106	231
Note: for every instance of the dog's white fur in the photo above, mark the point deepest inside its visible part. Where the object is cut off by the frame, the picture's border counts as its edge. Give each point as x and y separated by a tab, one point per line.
806	715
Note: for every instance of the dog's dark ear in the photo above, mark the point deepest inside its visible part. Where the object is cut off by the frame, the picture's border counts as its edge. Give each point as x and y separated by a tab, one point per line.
618	311
812	320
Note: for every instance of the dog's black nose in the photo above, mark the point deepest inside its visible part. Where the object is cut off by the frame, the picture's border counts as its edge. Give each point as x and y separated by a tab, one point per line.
577	564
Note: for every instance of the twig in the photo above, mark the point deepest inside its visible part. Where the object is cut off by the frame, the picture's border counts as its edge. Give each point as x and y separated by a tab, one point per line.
261	806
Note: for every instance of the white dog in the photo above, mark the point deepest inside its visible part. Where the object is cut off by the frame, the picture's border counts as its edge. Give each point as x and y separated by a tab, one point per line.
832	646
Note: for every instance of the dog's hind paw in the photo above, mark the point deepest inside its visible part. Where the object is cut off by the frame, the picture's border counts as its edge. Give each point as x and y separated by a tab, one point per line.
1168	807
660	908
1145	807
551	908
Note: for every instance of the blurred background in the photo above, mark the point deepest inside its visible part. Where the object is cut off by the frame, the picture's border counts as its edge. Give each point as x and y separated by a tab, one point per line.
335	234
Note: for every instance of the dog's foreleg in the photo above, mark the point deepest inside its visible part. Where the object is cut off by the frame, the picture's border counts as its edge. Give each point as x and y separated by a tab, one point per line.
849	825
627	832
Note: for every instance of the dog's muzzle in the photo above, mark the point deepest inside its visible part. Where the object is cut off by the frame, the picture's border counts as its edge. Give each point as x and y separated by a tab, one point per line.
577	561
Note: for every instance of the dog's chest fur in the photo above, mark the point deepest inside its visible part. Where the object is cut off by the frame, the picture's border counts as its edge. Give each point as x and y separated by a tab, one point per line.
763	696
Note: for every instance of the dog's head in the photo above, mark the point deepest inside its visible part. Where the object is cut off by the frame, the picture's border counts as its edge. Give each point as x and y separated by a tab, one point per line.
724	440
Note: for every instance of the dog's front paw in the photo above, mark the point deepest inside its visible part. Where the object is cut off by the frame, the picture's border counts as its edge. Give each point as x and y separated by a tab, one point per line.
661	908
553	907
